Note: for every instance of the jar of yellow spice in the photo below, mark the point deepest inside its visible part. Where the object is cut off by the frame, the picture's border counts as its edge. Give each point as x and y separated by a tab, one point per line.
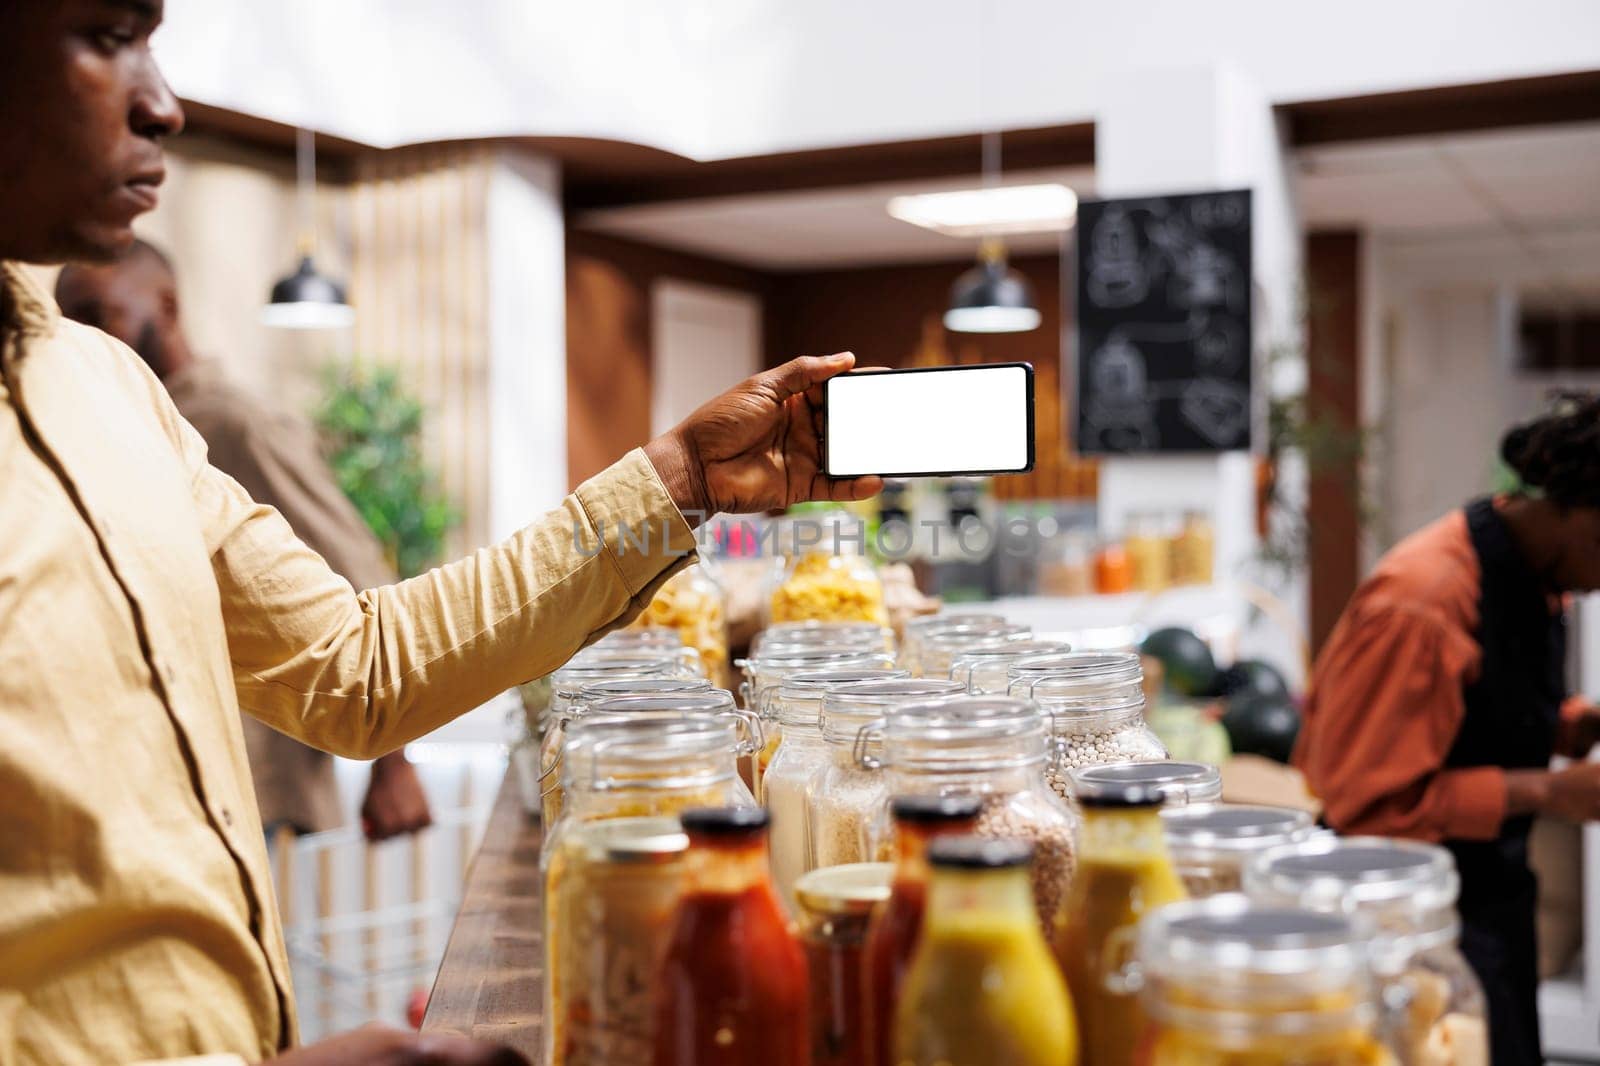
822	574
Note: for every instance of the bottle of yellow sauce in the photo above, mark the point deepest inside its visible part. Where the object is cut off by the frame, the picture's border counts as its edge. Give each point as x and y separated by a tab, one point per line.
1124	873
983	988
1230	982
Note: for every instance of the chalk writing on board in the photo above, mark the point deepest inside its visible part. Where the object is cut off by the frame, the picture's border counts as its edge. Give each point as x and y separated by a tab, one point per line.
1163	322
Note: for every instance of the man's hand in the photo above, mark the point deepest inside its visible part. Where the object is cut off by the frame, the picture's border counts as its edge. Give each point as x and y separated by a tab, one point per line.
1572	794
379	1046
395	802
758	446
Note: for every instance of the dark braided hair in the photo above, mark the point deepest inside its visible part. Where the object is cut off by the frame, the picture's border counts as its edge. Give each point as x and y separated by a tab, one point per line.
1559	454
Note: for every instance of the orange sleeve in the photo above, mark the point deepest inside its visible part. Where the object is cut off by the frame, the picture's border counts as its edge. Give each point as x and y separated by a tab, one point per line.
1384	709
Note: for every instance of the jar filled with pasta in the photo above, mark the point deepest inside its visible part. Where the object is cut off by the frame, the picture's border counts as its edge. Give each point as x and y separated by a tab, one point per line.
1437	1013
822	573
1179	783
985	670
939	649
795	710
1211	843
614	899
1096	705
1231	982
917	629
996	748
846	799
690	604
836	908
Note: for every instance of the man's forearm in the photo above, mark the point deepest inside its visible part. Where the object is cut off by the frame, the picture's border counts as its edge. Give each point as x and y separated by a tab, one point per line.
1527	792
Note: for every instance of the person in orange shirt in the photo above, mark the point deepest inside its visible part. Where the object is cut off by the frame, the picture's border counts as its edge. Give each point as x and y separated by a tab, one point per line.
1441	696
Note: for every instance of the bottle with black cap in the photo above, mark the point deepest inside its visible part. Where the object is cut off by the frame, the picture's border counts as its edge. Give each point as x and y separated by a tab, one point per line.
897	927
1124	873
732	988
983	987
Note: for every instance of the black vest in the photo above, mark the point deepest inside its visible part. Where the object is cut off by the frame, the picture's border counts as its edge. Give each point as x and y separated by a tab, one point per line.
1513	707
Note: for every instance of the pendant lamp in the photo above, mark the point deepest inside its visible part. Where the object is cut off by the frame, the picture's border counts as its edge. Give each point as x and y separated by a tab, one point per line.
307	299
991	297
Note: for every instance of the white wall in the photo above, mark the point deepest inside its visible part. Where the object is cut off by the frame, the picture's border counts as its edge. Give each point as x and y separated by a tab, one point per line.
706	339
527	341
719	78
1441	384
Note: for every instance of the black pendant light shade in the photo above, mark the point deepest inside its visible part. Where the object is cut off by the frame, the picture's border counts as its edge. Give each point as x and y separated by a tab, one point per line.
307	299
991	298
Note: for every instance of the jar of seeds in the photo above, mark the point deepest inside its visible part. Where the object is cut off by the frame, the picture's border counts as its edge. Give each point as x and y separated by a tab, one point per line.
996	748
1095	701
847	798
919	629
940	648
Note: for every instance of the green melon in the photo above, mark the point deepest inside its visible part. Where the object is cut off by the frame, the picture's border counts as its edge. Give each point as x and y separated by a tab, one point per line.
1189	668
1264	726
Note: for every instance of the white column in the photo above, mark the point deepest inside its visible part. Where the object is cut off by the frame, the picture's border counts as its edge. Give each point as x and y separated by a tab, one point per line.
527	340
1197	129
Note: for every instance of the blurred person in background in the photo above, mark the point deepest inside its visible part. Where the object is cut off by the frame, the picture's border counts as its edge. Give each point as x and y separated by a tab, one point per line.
1441	696
145	599
274	457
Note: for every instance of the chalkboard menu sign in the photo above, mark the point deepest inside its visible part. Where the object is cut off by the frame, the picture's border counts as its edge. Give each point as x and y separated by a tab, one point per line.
1163	320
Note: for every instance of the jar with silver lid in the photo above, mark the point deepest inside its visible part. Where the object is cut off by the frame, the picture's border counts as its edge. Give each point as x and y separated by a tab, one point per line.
993	747
610	895
824	634
795	711
986	670
764	671
1179	782
916	629
1229	981
1096	705
1210	843
1435	1012
939	649
846	800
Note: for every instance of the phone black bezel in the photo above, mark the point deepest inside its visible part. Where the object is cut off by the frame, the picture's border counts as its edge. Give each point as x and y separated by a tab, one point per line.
827	460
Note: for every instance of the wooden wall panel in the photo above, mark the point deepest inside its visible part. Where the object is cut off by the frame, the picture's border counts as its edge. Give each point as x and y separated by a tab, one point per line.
610	339
1333	399
893	316
419	276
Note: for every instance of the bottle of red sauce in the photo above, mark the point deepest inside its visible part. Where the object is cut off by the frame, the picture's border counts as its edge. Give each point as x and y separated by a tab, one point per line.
733	986
895	932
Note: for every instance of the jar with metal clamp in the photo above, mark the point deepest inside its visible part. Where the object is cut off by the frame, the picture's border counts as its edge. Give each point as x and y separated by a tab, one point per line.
795	710
993	747
1095	701
985	670
1435	1013
847	797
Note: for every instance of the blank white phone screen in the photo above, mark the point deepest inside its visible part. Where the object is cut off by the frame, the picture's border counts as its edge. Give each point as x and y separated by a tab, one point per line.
945	421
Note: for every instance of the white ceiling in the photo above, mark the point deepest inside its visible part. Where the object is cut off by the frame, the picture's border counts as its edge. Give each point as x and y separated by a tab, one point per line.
1520	182
822	228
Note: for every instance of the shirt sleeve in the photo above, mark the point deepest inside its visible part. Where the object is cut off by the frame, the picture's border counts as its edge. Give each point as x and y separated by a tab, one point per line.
360	674
1386	704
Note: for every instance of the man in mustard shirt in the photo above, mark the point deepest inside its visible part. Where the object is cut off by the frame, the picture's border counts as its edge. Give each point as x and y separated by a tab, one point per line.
145	600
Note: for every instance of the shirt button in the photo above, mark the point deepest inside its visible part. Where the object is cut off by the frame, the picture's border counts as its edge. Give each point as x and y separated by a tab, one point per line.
227	817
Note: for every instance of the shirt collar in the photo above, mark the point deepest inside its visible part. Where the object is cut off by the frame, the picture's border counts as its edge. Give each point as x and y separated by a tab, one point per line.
25	308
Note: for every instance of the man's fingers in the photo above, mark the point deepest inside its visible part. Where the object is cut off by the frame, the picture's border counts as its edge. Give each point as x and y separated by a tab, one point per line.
798	375
843	489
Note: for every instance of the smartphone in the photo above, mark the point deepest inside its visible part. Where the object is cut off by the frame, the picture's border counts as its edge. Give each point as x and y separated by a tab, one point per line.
931	421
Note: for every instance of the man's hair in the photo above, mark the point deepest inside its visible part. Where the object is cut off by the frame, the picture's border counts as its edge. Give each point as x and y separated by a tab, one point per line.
1559	454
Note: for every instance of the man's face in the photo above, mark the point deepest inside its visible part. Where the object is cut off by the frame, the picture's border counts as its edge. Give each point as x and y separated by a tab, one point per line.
83	109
